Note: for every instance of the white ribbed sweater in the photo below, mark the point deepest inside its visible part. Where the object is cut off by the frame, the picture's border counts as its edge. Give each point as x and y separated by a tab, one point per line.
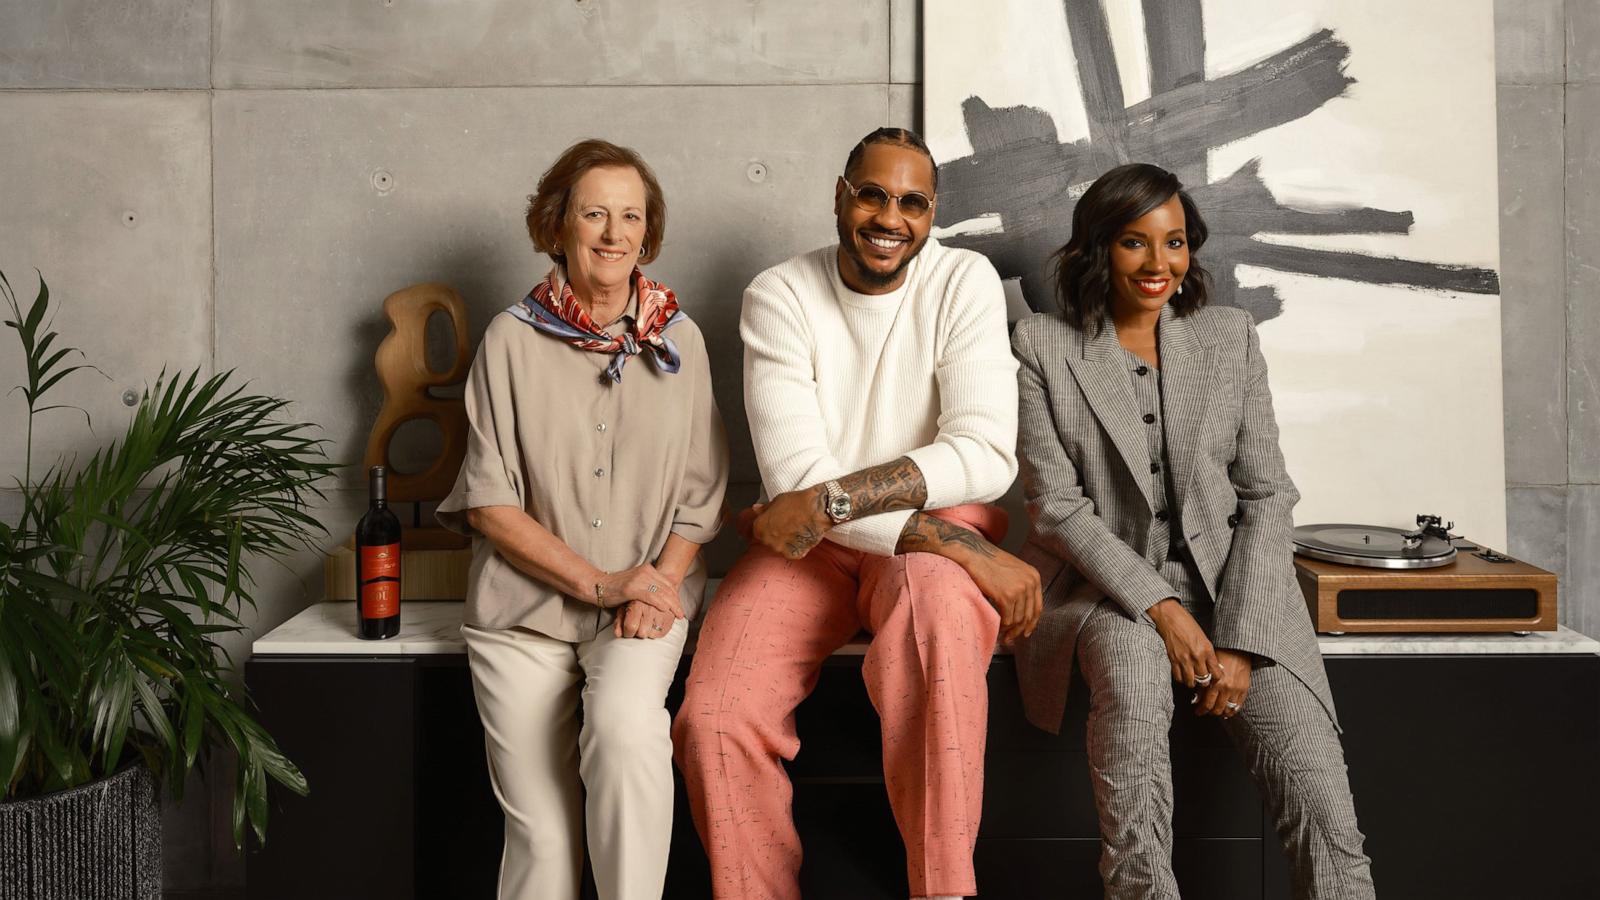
836	381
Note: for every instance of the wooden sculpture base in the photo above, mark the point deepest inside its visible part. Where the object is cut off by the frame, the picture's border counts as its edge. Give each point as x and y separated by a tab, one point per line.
433	566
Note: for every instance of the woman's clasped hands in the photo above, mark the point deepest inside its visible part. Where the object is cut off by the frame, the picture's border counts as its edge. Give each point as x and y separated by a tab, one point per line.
1221	677
648	597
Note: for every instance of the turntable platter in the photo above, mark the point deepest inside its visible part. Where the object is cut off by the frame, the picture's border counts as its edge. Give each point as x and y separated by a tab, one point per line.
1373	546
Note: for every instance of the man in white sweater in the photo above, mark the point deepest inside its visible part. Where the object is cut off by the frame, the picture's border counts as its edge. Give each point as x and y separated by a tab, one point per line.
881	393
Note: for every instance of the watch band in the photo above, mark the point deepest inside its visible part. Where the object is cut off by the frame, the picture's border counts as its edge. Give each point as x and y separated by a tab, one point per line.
838	502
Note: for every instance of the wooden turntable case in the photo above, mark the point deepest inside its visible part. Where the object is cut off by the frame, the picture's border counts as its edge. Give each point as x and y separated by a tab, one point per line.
1323	582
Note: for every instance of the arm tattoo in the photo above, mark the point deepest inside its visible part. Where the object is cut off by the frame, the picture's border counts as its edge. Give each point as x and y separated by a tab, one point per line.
893	485
927	534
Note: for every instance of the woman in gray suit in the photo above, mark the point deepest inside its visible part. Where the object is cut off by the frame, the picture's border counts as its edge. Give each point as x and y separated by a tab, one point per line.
1160	522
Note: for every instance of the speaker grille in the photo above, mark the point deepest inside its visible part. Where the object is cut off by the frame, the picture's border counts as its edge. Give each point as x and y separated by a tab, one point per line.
1457	603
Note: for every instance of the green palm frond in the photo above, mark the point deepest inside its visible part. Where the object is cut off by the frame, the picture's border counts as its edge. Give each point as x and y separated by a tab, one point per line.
124	570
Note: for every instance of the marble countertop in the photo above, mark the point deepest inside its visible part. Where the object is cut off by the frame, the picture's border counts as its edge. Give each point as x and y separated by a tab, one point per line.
426	626
1562	640
434	627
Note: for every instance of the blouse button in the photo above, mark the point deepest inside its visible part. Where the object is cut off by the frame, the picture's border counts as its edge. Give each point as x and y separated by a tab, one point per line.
1149	418
1142	370
1161	516
595	523
600	427
1154	468
599	473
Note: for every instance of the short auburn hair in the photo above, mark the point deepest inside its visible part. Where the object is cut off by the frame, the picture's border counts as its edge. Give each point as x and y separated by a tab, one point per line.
547	205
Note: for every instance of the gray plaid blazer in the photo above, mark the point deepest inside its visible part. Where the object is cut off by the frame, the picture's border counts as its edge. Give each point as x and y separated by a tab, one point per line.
1085	468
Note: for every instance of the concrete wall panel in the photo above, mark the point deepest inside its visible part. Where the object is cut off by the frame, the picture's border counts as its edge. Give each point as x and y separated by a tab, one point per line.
1536	530
109	196
1533	309
1583	41
905	106
1582	599
1529	41
905	41
313	43
311	237
1583	283
95	44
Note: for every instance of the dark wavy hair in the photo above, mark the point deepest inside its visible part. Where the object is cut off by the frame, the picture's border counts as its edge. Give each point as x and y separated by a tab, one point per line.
1083	266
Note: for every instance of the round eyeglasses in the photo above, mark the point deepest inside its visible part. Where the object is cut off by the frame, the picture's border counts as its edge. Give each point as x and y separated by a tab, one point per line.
873	199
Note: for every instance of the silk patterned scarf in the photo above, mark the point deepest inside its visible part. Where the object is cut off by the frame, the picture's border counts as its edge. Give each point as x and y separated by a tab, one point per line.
560	315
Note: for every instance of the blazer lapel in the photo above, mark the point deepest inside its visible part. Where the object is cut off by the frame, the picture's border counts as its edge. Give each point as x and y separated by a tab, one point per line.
1096	363
1185	393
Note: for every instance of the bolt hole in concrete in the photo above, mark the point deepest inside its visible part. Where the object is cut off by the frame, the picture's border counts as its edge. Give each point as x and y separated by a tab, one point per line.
756	172
130	397
417	443
383	181
130	219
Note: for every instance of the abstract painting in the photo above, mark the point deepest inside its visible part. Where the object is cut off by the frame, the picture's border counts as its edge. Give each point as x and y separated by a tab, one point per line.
1343	153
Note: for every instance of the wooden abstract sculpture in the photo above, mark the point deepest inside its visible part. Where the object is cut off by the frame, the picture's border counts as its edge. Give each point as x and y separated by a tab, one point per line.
435	561
402	364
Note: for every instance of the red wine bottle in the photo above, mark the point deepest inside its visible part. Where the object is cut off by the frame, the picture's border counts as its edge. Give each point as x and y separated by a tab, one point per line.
378	565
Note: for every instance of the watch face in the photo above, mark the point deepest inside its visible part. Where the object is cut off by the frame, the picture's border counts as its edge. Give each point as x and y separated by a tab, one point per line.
839	507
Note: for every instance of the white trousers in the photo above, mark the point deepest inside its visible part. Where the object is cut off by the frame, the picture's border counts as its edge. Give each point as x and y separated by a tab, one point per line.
612	778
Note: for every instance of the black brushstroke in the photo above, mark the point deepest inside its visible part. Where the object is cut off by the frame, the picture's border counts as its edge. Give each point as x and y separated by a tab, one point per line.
1369	269
1175	32
1022	171
1176	35
1184	121
1098	80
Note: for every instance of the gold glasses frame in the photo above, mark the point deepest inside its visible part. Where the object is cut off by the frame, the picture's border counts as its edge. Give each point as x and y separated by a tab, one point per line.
897	199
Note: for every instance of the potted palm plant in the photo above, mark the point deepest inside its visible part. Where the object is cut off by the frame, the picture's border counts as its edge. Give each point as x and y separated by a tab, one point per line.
118	575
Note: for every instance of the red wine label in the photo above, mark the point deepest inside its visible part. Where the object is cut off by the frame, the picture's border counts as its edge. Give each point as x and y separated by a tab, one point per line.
380	581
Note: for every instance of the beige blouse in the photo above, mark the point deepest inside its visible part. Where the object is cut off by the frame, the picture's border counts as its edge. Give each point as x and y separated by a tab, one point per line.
610	468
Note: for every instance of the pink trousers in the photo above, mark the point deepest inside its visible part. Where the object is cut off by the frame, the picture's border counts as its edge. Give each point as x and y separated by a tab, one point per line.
773	623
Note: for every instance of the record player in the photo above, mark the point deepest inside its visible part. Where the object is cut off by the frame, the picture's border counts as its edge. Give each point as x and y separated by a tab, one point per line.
1367	578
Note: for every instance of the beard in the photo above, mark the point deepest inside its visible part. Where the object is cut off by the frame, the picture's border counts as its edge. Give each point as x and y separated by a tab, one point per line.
862	271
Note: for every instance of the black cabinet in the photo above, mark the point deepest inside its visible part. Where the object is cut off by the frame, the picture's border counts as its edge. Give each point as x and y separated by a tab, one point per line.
1475	776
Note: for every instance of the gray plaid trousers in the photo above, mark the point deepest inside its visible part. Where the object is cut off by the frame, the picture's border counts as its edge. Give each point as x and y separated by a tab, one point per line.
1283	732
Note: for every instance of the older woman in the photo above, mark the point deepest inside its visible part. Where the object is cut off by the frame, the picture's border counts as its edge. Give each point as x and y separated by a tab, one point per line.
1160	521
595	470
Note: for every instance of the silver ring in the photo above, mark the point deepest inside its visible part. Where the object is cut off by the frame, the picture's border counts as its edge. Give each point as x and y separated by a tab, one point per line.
1203	680
1233	706
656	627
651	589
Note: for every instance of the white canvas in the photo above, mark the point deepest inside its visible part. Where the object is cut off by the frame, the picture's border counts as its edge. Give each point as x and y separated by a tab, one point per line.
1370	121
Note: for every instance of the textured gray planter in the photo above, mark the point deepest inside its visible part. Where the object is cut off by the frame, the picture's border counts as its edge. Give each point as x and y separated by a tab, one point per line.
101	841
